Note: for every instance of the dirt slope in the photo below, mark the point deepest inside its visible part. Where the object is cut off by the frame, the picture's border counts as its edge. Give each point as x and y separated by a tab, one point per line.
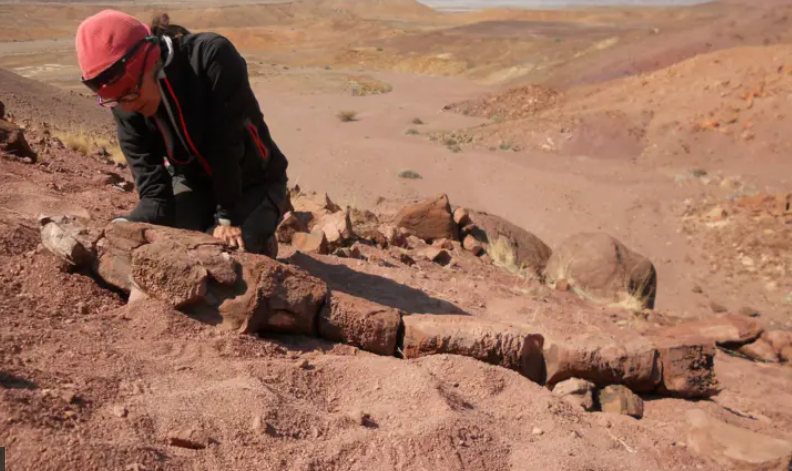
34	104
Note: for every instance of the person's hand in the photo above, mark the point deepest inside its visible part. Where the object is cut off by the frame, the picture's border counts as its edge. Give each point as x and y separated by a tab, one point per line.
231	235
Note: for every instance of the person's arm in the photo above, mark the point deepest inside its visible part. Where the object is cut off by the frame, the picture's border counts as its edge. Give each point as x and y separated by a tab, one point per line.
146	161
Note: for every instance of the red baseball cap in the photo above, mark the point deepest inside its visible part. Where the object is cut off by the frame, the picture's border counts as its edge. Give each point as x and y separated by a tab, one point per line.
109	52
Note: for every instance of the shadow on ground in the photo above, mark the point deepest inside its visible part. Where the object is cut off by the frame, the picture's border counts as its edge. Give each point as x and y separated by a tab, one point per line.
10	381
374	288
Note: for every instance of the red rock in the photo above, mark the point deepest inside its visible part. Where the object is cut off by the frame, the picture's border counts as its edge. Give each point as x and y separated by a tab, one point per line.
166	271
69	240
603	361
392	235
510	346
473	245
115	252
429	220
732	447
337	228
310	243
311	207
760	350
288	227
12	140
687	366
348	252
529	251
270	297
360	322
731	330
365	224
439	256
562	285
600	265
462	217
618	399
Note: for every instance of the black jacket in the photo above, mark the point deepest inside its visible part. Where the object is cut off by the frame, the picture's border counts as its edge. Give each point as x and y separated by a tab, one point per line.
209	128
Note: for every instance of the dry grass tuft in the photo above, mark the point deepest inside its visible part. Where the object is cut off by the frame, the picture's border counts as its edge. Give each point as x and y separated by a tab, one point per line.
504	256
409	174
363	85
347	116
86	144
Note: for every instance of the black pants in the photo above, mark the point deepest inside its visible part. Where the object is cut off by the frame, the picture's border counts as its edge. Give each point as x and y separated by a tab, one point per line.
258	213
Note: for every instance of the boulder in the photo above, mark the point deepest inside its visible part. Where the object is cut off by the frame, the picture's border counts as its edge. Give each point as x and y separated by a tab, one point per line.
462	217
527	251
687	366
430	219
599	264
730	331
760	350
289	226
577	392
434	254
12	140
315	242
603	361
506	345
360	322
618	399
270	297
337	228
732	447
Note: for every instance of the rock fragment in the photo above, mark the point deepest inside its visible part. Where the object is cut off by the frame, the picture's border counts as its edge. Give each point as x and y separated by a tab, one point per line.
578	392
512	347
315	242
360	322
618	399
429	220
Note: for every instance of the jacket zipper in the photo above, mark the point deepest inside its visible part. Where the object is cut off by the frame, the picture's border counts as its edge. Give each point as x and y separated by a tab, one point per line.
203	162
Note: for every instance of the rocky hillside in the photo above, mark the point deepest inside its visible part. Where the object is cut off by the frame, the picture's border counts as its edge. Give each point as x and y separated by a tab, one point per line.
417	335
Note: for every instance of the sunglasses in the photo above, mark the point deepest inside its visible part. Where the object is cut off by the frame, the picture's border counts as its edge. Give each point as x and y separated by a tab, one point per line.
115	79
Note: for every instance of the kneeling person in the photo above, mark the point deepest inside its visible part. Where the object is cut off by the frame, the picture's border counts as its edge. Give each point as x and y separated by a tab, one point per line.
189	126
